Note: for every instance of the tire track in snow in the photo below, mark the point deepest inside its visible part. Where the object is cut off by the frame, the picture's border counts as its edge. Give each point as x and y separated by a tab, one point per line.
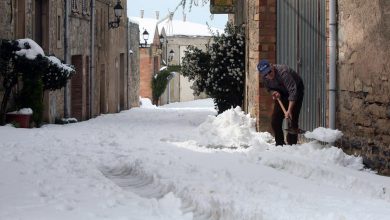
133	178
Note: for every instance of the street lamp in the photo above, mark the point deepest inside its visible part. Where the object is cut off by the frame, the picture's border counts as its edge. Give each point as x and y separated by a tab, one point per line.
171	54
161	40
171	75
118	9
145	35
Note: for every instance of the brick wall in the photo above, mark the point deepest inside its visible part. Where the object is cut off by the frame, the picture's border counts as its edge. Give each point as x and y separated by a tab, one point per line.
261	44
146	72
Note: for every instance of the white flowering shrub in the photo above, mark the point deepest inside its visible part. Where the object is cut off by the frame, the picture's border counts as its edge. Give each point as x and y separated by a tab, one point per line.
219	71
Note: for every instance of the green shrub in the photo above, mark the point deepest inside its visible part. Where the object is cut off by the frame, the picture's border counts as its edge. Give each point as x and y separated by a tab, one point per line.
159	84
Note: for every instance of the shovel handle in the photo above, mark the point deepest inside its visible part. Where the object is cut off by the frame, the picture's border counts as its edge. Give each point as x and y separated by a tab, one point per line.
282	106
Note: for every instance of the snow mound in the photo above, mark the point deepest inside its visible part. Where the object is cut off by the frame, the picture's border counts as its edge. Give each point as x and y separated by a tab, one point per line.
233	129
324	134
146	103
315	154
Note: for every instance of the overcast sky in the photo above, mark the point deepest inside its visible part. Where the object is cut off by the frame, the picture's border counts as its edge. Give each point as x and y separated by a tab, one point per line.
198	14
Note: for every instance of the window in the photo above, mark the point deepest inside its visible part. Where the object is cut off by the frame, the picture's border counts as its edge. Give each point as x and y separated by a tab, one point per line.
59	28
74	6
85	6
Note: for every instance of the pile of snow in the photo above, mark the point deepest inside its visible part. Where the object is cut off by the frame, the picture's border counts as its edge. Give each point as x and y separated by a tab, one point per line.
146	103
233	129
324	134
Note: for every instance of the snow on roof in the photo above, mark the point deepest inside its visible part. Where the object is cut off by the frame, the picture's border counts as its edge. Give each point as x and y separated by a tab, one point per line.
186	28
172	28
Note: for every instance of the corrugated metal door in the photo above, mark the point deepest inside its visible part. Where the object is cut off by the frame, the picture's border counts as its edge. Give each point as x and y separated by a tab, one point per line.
301	44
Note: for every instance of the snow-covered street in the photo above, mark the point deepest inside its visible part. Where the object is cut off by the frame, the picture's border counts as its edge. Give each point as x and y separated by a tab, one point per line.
179	162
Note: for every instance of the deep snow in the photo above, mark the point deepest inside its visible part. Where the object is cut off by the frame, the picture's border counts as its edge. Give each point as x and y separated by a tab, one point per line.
179	161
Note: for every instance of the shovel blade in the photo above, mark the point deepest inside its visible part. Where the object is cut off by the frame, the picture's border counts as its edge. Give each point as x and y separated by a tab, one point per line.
295	131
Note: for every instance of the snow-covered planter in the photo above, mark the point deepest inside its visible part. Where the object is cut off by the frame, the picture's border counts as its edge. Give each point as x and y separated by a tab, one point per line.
20	118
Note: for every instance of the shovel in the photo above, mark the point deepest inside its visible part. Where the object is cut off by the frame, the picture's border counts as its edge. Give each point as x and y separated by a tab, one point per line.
289	129
322	134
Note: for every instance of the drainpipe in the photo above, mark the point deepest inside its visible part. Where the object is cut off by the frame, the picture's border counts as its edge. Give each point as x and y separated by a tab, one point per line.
332	63
128	62
92	58
66	56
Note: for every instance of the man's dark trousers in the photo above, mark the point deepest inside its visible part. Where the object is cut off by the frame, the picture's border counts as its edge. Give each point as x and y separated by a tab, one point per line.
277	121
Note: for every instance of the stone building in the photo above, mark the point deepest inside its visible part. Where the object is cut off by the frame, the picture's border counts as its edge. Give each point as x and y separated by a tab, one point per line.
111	50
178	35
299	33
41	21
85	34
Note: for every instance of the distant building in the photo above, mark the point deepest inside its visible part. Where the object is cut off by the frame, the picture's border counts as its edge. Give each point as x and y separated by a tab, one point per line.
177	36
180	34
149	54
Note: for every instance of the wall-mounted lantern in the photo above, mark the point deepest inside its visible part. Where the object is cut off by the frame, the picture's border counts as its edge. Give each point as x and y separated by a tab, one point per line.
118	10
145	35
171	54
161	40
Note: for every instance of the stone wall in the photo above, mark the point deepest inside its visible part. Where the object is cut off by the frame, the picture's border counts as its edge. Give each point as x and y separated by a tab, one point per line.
117	48
134	71
10	20
6	30
363	104
54	100
6	20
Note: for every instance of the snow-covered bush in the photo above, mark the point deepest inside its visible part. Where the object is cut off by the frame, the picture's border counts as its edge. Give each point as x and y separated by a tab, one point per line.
24	61
219	71
57	74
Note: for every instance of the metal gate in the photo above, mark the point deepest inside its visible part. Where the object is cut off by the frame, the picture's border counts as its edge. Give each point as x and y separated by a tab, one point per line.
301	44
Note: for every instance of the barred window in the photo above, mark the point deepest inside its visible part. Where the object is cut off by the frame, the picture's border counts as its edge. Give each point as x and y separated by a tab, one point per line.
85	6
74	6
